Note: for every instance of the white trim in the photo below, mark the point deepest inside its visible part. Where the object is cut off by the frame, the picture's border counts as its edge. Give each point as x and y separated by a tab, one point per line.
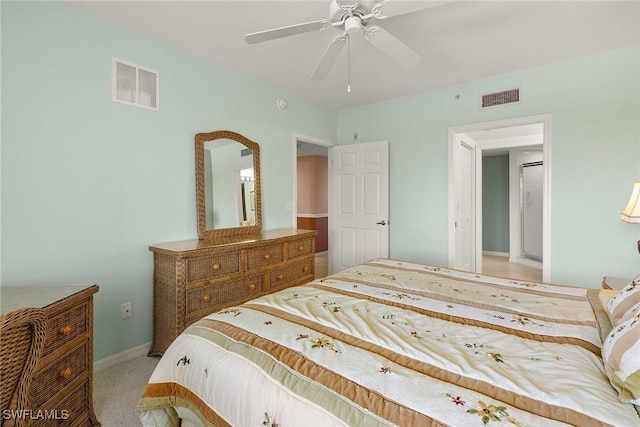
320	215
492	253
125	356
526	261
545	119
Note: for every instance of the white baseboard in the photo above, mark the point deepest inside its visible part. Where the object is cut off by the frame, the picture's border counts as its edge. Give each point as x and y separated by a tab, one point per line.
125	356
503	254
526	261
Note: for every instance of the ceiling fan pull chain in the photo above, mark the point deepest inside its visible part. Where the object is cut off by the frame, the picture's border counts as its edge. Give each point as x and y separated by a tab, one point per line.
348	64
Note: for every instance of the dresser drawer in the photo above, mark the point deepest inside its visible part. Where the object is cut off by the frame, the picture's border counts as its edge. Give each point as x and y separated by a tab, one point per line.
65	327
68	411
299	248
52	379
212	266
263	257
222	293
282	276
187	283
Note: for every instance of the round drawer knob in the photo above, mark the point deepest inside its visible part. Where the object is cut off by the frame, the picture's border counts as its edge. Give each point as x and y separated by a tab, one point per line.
65	330
280	276
216	267
66	374
252	286
267	257
300	248
206	298
305	268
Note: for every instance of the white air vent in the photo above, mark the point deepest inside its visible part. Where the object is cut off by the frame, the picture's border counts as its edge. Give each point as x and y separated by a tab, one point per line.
135	85
510	96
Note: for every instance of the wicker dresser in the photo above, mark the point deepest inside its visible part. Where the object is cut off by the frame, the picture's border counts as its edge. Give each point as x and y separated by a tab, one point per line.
62	388
195	278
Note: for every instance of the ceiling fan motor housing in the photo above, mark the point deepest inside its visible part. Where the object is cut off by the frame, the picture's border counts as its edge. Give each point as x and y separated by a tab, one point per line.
352	25
339	14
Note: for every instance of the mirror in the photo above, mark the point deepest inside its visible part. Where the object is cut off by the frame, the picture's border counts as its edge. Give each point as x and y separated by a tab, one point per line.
228	194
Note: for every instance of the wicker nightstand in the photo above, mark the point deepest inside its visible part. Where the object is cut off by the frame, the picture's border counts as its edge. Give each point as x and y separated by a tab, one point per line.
62	387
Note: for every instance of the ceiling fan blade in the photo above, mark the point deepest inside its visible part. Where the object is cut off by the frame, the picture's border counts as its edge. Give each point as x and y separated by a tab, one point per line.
291	30
329	57
389	44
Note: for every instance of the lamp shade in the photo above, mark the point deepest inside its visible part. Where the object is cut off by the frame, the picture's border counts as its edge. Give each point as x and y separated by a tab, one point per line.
631	212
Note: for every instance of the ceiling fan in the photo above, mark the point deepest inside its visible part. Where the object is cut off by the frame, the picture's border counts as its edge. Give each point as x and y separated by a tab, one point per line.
350	18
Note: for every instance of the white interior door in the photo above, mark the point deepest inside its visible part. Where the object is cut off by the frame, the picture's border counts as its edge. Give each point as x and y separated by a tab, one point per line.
358	203
465	208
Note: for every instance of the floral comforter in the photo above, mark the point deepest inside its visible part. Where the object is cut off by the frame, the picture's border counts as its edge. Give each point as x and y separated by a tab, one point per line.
393	343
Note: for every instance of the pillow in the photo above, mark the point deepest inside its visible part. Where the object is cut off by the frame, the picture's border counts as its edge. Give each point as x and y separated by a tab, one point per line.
632	312
621	357
622	303
604	296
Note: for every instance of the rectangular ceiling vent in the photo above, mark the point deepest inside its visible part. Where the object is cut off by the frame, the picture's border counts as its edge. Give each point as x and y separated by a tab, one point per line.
246	152
510	96
135	85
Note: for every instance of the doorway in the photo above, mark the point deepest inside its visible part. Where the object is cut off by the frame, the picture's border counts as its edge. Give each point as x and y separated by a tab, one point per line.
311	193
495	137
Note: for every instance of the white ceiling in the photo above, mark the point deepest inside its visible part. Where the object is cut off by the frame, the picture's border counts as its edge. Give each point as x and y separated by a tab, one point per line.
459	40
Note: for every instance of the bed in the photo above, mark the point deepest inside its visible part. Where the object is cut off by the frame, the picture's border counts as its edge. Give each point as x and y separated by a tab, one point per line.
391	342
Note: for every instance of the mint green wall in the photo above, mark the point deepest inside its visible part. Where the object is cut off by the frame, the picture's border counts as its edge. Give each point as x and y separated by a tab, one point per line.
88	184
595	109
495	203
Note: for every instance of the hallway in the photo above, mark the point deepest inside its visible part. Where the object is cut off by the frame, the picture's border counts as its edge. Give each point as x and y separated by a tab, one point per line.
500	266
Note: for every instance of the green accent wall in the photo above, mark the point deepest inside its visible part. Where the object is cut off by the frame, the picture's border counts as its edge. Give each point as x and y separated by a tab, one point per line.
88	184
495	203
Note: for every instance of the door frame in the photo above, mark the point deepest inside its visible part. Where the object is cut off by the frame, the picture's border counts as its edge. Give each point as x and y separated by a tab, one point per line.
306	139
545	119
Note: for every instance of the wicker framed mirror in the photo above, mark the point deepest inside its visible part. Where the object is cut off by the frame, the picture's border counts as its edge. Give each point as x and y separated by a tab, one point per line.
228	193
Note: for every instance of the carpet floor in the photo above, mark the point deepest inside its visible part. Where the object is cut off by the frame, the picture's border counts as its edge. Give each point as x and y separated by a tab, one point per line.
116	391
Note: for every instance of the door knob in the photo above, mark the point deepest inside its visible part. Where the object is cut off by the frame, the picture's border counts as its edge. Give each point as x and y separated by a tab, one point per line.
383	222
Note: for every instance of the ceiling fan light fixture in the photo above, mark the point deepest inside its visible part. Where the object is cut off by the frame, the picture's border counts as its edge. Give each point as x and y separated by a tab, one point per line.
352	25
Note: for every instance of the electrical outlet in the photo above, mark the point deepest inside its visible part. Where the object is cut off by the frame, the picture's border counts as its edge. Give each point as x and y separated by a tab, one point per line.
126	310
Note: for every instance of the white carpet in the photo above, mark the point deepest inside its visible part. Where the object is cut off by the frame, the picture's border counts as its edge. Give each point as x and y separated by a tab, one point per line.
116	391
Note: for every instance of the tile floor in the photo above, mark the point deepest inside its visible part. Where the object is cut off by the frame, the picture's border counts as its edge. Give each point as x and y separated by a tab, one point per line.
500	266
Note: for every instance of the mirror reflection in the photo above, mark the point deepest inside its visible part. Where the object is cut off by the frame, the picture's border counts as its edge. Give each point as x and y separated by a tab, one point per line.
229	184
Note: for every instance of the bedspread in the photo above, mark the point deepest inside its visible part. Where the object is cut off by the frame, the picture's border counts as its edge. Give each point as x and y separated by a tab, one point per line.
393	343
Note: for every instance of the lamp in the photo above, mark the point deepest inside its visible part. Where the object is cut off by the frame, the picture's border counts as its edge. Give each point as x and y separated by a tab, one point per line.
631	213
